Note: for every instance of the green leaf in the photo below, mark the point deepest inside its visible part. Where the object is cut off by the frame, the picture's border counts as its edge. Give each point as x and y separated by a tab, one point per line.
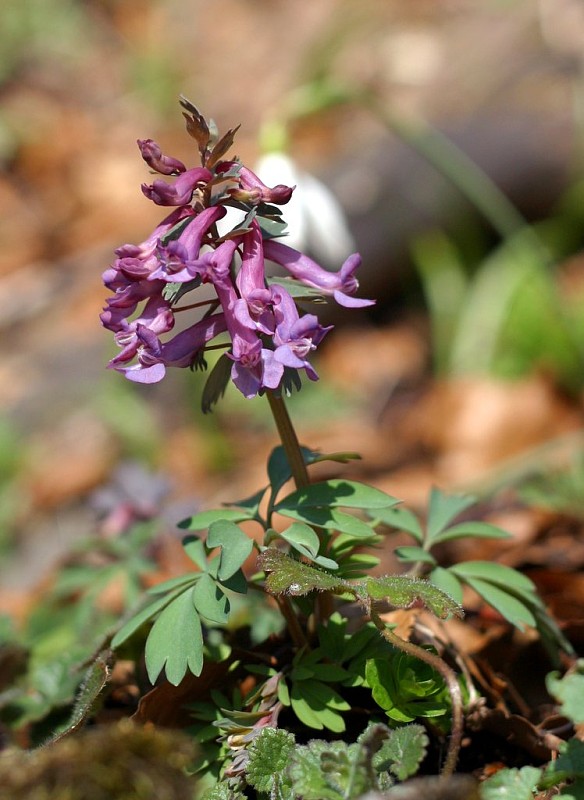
336	492
89	690
294	578
414	555
195	550
569	690
316	705
402	519
296	289
406	688
444	579
204	519
331	519
174	583
442	509
305	541
269	755
216	383
308	779
569	765
279	471
175	642
135	622
402	591
511	784
508	606
402	753
495	573
209	600
479	530
235	546
302	538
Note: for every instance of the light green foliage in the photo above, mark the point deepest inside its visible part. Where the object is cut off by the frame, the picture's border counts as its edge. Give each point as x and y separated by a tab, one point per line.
508	591
558	489
406	688
511	784
340	771
566	772
269	756
182	603
569	690
402	591
402	752
286	575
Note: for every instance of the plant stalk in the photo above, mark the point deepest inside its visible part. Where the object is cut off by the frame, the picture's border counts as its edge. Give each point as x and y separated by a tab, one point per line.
289	440
291	445
450	680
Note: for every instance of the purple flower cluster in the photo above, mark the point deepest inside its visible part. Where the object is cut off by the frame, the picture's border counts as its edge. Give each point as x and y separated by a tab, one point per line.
266	334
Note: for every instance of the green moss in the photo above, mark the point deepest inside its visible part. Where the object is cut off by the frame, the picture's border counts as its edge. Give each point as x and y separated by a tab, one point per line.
122	761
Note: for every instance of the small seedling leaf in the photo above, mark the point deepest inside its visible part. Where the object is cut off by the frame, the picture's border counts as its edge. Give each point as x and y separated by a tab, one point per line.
402	753
402	591
269	755
294	578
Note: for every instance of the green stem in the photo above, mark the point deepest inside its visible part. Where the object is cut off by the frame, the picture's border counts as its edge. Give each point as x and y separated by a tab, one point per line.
289	440
450	680
291	445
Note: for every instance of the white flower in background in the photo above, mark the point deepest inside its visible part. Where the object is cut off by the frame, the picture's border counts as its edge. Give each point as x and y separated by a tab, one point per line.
315	219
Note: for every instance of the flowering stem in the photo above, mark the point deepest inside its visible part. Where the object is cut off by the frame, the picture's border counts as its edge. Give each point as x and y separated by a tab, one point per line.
289	440
450	680
291	445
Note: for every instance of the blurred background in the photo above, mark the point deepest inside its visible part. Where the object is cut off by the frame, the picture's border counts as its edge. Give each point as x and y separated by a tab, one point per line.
449	133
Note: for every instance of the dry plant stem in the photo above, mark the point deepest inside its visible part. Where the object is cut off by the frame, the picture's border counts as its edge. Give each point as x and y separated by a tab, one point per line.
449	676
291	445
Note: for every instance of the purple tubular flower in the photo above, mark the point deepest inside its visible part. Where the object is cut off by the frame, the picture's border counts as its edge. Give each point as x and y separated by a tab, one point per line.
137	261
339	284
252	190
126	299
295	337
180	351
251	280
178	261
153	156
178	193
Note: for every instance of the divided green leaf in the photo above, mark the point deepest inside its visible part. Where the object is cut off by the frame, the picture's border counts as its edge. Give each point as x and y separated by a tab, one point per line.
175	653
